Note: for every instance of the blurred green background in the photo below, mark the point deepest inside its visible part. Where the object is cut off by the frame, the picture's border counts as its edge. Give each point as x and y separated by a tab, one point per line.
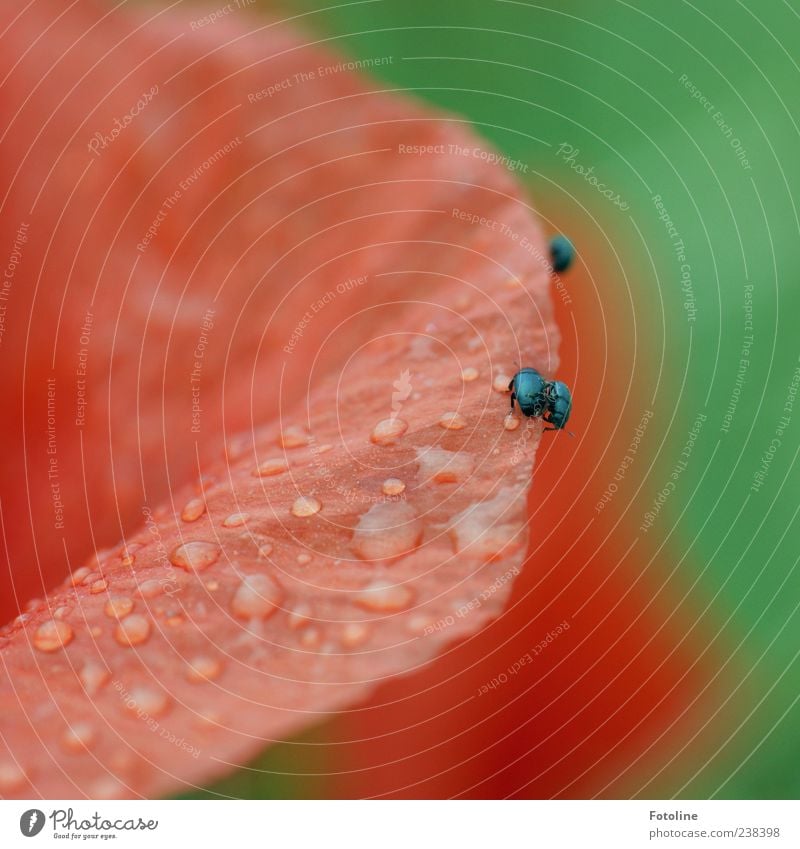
663	139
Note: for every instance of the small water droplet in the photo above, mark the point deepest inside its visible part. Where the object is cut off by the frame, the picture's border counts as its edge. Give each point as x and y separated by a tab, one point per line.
304	559
78	736
98	586
195	555
235	520
500	383
257	597
306	505
193	510
388	431
300	616
147	700
118	607
354	634
91	578
151	588
469	374
79	574
387	530
323	449
53	635
132	630
393	486
11	776
212	585
293	437
384	596
203	668
452	421
265	549
62	611
270	468
310	638
93	676
510	422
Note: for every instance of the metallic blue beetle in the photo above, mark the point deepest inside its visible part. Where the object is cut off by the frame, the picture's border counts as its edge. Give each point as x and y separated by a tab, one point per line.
559	404
562	253
529	390
549	400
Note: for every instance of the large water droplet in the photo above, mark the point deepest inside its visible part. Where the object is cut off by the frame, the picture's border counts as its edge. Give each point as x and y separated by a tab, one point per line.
193	510
195	555
78	736
79	574
53	635
306	505
500	383
132	630
452	421
147	700
388	431
387	530
393	486
270	468
384	596
235	520
486	529
257	597
116	608
443	466
203	668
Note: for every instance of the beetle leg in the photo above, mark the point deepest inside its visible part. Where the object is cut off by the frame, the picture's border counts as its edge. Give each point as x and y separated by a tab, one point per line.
513	398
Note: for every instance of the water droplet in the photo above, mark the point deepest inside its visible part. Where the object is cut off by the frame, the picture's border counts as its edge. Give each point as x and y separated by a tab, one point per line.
212	585
79	574
265	549
118	607
235	520
310	638
469	374
203	669
388	431
384	596
151	588
62	611
193	510
257	597
452	421
304	559
300	616
132	630
306	505
443	466
195	555
510	422
53	635
93	676
78	736
500	383
393	486
98	586
269	468
108	788
387	530
354	634
91	578
11	776
293	437
147	700
323	449
485	530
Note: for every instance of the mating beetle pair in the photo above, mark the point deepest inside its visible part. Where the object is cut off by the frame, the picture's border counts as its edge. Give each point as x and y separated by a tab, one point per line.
549	400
